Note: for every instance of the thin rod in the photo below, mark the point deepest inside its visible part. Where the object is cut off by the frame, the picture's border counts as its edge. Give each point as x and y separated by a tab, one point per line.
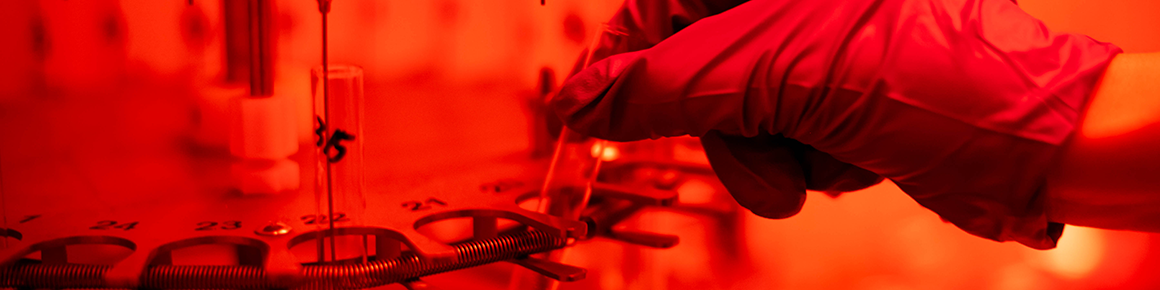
3	204
324	8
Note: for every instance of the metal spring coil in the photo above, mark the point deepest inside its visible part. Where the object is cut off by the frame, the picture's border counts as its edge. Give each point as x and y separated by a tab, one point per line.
351	276
205	277
54	276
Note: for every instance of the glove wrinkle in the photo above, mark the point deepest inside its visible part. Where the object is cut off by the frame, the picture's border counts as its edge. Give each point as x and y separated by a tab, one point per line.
826	174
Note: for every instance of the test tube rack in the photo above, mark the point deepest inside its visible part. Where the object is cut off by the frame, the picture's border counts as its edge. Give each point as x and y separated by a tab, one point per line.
265	228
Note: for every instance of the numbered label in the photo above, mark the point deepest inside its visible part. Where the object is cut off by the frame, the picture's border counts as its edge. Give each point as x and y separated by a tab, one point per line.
320	219
29	218
424	205
503	185
113	225
337	137
226	225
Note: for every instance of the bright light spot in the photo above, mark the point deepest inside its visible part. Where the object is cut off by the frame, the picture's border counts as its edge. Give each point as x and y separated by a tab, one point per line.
597	148
610	153
1078	253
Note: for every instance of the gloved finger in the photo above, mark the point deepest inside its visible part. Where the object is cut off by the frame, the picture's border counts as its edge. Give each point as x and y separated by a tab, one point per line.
640	24
651	21
762	175
821	171
579	103
599	102
695	81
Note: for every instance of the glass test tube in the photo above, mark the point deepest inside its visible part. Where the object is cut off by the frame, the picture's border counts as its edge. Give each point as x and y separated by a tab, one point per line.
574	167
338	141
568	185
575	164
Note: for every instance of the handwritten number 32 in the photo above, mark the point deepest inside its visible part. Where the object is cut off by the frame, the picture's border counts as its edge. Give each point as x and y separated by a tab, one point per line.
226	225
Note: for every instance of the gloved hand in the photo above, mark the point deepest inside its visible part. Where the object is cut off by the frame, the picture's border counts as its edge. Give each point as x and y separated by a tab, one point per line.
963	104
640	24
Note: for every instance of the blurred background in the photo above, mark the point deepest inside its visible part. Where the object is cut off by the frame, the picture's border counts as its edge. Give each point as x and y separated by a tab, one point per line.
111	103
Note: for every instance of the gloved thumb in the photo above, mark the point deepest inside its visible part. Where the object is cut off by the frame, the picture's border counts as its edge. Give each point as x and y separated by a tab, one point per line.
762	175
769	174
